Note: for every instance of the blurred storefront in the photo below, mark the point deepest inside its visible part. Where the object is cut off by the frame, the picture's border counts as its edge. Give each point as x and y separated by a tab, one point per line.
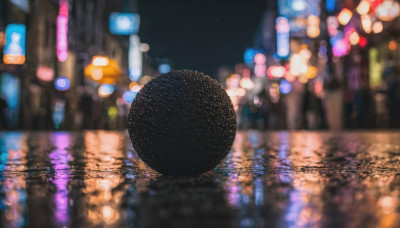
49	84
335	64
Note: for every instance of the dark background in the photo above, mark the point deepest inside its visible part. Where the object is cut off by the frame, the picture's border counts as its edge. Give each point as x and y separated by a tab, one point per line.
200	35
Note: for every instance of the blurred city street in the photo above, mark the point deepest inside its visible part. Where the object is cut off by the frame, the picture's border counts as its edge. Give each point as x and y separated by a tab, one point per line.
275	179
315	85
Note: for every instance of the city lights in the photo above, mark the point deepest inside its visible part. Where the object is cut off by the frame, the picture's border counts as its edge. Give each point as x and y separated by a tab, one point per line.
388	10
340	48
344	16
129	96
393	45
354	38
333	24
62	83
313	26
298	5
62	31
377	27
249	54
134	58
366	23
285	87
282	30
105	90
45	73
14	50
363	7
276	71
100	60
246	83
124	23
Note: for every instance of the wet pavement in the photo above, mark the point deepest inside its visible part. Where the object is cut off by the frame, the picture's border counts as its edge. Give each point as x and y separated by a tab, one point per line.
274	179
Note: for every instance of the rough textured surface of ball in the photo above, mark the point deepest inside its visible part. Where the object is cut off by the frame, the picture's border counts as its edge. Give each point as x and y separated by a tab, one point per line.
182	123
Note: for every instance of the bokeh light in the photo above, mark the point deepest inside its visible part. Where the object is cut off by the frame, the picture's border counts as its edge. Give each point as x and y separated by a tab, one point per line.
62	83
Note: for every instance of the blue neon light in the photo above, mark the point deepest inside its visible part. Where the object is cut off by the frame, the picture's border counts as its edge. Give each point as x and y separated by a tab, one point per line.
15	39
124	23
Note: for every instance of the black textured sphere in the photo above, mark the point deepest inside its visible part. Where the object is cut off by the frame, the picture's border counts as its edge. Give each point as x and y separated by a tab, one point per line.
182	123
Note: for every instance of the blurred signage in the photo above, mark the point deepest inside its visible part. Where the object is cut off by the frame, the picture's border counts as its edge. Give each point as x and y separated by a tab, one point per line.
124	23
282	31
62	31
135	58
14	50
21	4
45	73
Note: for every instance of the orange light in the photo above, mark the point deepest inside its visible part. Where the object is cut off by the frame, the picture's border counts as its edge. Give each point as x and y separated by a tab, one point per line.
14	59
393	45
344	16
354	38
363	7
312	72
377	27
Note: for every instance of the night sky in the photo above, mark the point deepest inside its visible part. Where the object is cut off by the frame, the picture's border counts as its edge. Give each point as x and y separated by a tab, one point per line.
200	35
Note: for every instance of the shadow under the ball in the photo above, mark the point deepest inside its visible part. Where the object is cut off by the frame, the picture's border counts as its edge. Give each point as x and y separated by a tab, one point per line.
185	202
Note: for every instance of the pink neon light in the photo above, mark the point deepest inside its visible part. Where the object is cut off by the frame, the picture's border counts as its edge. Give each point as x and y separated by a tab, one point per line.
62	42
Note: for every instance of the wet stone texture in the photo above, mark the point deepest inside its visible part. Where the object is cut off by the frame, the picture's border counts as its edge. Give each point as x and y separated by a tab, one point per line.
274	179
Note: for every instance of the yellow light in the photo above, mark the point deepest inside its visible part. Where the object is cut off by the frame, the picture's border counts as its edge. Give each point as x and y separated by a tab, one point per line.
363	7
354	38
344	16
13	59
366	23
377	27
100	60
312	72
393	45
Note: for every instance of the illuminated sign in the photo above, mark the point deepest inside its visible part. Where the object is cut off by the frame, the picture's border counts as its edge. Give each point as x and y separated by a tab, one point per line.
124	23
282	31
14	50
62	31
135	58
62	42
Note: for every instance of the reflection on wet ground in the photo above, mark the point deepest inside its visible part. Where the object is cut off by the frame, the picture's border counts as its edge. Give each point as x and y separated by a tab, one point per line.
275	179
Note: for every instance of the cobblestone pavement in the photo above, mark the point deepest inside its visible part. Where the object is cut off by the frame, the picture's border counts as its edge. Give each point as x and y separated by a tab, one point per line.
273	179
